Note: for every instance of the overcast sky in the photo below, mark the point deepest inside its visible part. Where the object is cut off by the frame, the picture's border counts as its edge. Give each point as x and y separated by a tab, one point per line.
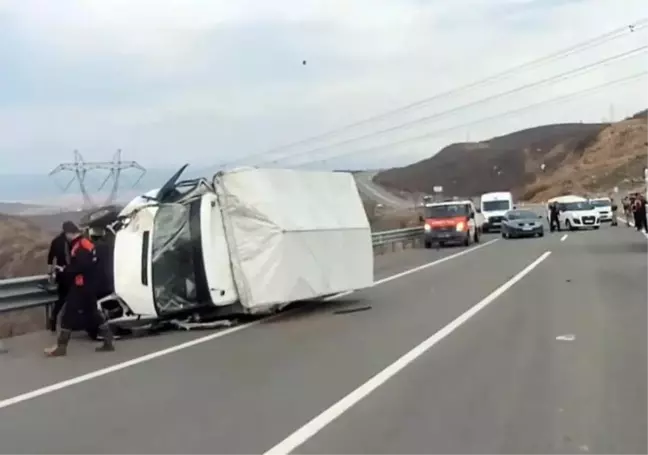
210	81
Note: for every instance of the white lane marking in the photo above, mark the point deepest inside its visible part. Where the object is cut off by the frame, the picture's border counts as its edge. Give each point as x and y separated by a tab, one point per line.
631	223
154	355
311	428
563	238
568	337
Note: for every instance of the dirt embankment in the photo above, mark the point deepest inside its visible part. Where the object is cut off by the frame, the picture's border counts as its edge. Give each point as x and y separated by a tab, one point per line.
23	247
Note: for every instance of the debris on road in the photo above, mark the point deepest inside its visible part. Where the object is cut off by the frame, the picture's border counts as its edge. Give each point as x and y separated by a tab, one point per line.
353	310
569	337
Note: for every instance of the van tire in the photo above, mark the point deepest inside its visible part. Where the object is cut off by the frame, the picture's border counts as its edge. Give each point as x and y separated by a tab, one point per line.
467	240
427	244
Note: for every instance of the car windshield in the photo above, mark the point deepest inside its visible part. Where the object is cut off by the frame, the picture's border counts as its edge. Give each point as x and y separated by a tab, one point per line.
492	206
174	280
601	203
521	215
576	206
446	210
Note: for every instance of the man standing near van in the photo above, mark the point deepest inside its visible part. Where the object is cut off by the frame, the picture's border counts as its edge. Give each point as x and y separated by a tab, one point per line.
80	310
58	258
554	217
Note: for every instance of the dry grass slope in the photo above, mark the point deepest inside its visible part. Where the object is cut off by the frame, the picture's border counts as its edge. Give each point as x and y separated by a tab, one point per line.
23	249
507	162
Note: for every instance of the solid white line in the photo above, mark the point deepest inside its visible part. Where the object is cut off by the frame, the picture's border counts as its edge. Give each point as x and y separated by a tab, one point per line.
154	355
631	223
311	428
562	239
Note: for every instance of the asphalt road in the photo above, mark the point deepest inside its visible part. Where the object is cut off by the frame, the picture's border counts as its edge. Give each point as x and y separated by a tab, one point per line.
484	370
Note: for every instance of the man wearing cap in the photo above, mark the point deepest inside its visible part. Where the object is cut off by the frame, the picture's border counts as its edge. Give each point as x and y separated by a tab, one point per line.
80	310
58	258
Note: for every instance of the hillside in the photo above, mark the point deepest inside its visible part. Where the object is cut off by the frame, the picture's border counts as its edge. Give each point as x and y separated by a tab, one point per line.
25	241
23	250
19	208
506	162
616	157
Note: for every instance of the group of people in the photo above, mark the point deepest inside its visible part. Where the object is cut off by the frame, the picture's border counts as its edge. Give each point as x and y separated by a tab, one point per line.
634	206
74	266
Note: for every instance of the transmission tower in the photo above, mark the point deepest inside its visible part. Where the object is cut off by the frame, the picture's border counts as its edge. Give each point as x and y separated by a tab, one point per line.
80	169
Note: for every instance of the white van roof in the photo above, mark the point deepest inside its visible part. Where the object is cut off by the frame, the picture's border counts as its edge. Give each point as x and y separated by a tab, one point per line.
497	195
567	198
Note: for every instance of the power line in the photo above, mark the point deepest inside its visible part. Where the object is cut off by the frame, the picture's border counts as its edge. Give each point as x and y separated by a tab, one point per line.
485	119
555	78
579	47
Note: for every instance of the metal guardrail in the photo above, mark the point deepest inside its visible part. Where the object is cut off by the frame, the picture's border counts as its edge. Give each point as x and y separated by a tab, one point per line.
396	235
34	291
25	292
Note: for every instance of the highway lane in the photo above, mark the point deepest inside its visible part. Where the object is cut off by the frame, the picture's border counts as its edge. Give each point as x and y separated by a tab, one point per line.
243	392
378	194
24	368
504	383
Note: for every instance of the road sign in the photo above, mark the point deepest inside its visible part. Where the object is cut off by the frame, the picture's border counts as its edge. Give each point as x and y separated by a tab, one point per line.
438	189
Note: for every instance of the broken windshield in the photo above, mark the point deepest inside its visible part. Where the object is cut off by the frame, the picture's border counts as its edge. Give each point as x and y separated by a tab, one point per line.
173	262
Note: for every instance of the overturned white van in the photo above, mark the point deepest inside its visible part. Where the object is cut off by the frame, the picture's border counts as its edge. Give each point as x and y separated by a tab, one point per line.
250	241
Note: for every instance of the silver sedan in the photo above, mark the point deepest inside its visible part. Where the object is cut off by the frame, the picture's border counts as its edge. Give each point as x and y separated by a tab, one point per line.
522	223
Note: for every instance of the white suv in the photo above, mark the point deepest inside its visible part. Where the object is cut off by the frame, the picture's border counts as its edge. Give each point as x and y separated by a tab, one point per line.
579	215
603	205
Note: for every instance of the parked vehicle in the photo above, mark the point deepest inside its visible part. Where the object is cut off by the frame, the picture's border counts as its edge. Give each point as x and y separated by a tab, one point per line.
603	205
450	222
522	223
493	207
576	212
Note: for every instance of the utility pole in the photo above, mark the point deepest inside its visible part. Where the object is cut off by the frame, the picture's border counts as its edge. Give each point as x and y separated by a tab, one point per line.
80	168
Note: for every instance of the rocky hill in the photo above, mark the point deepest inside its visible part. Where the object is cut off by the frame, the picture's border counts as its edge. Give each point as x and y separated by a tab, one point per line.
25	241
507	162
576	157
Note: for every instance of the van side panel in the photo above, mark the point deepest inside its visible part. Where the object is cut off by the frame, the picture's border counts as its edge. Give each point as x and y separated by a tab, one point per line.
132	263
216	255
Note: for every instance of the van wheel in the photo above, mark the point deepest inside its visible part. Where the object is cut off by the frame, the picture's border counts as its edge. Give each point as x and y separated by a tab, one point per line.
467	240
427	244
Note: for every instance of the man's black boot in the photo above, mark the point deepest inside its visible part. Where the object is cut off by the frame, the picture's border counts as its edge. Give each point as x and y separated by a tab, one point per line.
60	349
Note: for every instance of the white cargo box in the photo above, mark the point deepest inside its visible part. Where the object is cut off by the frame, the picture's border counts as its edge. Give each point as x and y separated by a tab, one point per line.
294	235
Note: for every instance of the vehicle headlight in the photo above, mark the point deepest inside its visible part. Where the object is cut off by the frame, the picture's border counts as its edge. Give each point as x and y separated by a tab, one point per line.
427	227
460	226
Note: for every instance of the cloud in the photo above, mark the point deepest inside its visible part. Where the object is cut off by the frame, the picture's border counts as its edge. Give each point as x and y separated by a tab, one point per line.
208	81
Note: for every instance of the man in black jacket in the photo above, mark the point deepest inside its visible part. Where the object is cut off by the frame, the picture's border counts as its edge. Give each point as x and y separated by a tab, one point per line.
80	310
57	259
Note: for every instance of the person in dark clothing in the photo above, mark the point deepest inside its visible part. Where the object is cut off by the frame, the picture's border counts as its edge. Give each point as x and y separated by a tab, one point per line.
640	214
615	208
80	309
58	258
627	209
554	221
636	211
